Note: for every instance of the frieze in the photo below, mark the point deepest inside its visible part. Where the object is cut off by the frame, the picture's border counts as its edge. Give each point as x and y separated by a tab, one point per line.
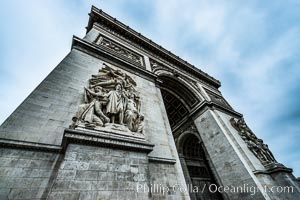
155	55
84	137
218	99
119	49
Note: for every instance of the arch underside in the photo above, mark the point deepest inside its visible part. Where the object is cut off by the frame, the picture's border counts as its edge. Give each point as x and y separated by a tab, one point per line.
179	100
176	110
182	91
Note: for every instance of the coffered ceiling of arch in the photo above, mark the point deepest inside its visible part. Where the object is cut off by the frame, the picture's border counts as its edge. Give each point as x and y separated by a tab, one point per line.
176	110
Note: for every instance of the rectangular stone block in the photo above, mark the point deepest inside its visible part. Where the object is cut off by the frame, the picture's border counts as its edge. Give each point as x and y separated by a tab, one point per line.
80	185
99	166
104	185
106	176
64	195
107	195
86	175
66	174
75	165
23	194
41	173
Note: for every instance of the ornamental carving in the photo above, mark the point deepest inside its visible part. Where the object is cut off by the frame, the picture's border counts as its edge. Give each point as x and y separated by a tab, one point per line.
111	101
256	145
124	52
218	99
129	39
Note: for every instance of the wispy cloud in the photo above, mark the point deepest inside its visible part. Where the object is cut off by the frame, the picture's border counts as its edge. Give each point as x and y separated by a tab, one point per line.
252	47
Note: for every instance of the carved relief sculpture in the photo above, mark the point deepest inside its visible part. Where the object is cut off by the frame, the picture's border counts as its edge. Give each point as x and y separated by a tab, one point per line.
111	100
134	57
256	145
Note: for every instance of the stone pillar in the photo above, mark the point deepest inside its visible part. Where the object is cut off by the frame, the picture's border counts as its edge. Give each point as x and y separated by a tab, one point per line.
98	166
273	176
236	166
228	162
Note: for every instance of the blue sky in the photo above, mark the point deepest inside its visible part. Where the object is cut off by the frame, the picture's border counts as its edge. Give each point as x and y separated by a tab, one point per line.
252	47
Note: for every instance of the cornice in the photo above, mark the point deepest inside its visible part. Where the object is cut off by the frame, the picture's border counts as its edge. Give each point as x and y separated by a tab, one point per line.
85	137
170	161
105	140
98	16
29	145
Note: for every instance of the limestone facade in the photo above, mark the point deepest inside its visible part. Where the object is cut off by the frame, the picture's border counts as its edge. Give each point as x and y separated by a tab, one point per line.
123	118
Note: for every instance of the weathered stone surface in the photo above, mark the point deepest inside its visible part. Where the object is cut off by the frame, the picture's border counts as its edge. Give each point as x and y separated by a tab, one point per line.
94	178
30	178
40	158
227	163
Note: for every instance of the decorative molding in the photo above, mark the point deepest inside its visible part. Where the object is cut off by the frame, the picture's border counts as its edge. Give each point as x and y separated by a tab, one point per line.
177	72
201	108
274	168
103	140
121	50
113	26
29	145
187	127
254	144
162	160
106	54
218	99
87	137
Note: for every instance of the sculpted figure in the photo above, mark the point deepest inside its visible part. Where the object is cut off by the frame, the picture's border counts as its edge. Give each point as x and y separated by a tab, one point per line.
253	147
97	97
242	128
256	145
110	97
131	91
91	113
269	153
107	76
131	114
140	123
115	104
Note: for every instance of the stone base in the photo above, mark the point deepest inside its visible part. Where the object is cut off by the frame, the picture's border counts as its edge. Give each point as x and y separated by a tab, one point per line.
109	129
276	167
273	168
105	139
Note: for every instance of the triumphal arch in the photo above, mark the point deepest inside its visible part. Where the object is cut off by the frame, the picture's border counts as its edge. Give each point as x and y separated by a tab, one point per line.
123	118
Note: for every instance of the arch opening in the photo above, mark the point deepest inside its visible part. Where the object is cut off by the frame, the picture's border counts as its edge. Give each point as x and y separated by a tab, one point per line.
179	100
197	170
181	90
176	110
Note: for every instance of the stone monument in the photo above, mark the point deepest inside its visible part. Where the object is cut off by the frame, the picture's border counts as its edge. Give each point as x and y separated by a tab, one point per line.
123	118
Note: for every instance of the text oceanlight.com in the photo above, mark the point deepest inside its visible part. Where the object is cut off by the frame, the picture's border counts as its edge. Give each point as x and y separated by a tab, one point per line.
212	188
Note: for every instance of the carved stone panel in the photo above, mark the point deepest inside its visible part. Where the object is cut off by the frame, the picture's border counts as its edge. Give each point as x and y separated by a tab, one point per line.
111	103
218	99
120	50
256	145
